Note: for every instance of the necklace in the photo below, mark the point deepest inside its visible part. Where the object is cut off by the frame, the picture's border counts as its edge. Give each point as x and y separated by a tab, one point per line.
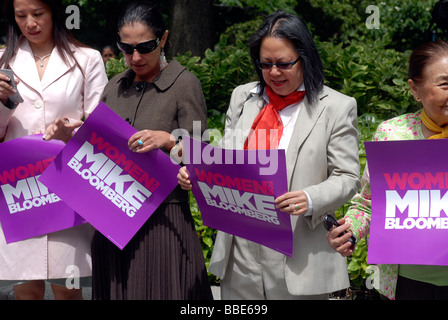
292	116
42	59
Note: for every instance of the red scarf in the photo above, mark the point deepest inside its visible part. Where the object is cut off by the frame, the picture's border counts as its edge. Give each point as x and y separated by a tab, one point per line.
269	118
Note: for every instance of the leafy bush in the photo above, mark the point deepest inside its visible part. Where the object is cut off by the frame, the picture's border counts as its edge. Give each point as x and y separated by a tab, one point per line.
357	263
262	6
405	22
220	71
115	66
374	75
371	65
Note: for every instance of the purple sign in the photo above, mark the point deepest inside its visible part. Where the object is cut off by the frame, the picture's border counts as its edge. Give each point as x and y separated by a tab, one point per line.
114	189
409	184
235	192
27	208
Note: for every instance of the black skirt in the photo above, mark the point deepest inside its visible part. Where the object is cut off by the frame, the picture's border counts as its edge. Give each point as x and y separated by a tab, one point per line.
408	289
163	261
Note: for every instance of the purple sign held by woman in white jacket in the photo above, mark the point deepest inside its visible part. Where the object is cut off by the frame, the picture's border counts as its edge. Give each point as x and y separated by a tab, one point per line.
27	207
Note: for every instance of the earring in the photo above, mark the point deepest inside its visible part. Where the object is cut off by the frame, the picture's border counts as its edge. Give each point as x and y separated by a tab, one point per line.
418	99
163	61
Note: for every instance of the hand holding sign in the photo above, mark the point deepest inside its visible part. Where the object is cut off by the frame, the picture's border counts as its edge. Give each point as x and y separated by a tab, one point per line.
293	202
114	189
235	197
183	178
61	129
146	140
409	223
27	207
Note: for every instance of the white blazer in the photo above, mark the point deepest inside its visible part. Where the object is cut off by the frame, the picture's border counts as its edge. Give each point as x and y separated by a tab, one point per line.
322	159
63	92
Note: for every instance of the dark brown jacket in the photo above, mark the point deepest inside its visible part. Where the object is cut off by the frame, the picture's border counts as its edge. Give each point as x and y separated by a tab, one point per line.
174	100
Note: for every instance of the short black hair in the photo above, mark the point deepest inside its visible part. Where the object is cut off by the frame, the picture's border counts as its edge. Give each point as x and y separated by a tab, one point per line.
291	27
144	12
423	56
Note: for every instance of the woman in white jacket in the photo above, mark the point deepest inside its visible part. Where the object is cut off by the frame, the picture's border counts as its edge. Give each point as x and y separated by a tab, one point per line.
57	78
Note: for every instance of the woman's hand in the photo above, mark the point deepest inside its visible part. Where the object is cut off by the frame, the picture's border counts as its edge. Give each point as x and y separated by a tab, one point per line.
146	140
341	244
184	179
294	202
6	89
62	129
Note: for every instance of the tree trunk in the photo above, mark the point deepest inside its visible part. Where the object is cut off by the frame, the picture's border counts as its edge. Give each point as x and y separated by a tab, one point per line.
191	27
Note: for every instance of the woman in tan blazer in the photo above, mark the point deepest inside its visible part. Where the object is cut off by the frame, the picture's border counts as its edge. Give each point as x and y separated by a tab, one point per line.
318	131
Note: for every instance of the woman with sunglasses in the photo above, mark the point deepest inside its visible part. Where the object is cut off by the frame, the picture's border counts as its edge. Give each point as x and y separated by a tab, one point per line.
57	77
164	260
317	128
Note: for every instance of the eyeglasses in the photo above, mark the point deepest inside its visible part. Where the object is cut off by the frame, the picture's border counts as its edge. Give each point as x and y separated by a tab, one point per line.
142	48
280	65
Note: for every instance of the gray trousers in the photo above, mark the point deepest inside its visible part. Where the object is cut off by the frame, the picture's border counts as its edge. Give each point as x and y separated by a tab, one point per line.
255	272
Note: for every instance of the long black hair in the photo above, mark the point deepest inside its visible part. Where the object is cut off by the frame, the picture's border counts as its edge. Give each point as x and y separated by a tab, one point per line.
290	27
61	35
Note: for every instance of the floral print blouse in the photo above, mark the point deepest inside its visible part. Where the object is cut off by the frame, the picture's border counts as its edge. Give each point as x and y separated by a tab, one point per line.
404	127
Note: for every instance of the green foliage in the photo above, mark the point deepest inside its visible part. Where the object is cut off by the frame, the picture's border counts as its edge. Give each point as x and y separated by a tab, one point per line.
357	262
115	66
220	71
371	65
205	234
263	6
404	21
372	74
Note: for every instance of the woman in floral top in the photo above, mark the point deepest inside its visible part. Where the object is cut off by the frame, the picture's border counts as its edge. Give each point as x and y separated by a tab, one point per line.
428	80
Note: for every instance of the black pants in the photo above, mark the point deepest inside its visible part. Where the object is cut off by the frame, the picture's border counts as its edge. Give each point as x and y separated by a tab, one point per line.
408	289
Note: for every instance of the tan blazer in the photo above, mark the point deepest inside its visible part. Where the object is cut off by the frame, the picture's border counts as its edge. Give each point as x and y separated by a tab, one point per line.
322	159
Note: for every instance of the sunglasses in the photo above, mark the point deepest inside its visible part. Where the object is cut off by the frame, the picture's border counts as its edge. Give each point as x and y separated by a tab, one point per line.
280	65
142	48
